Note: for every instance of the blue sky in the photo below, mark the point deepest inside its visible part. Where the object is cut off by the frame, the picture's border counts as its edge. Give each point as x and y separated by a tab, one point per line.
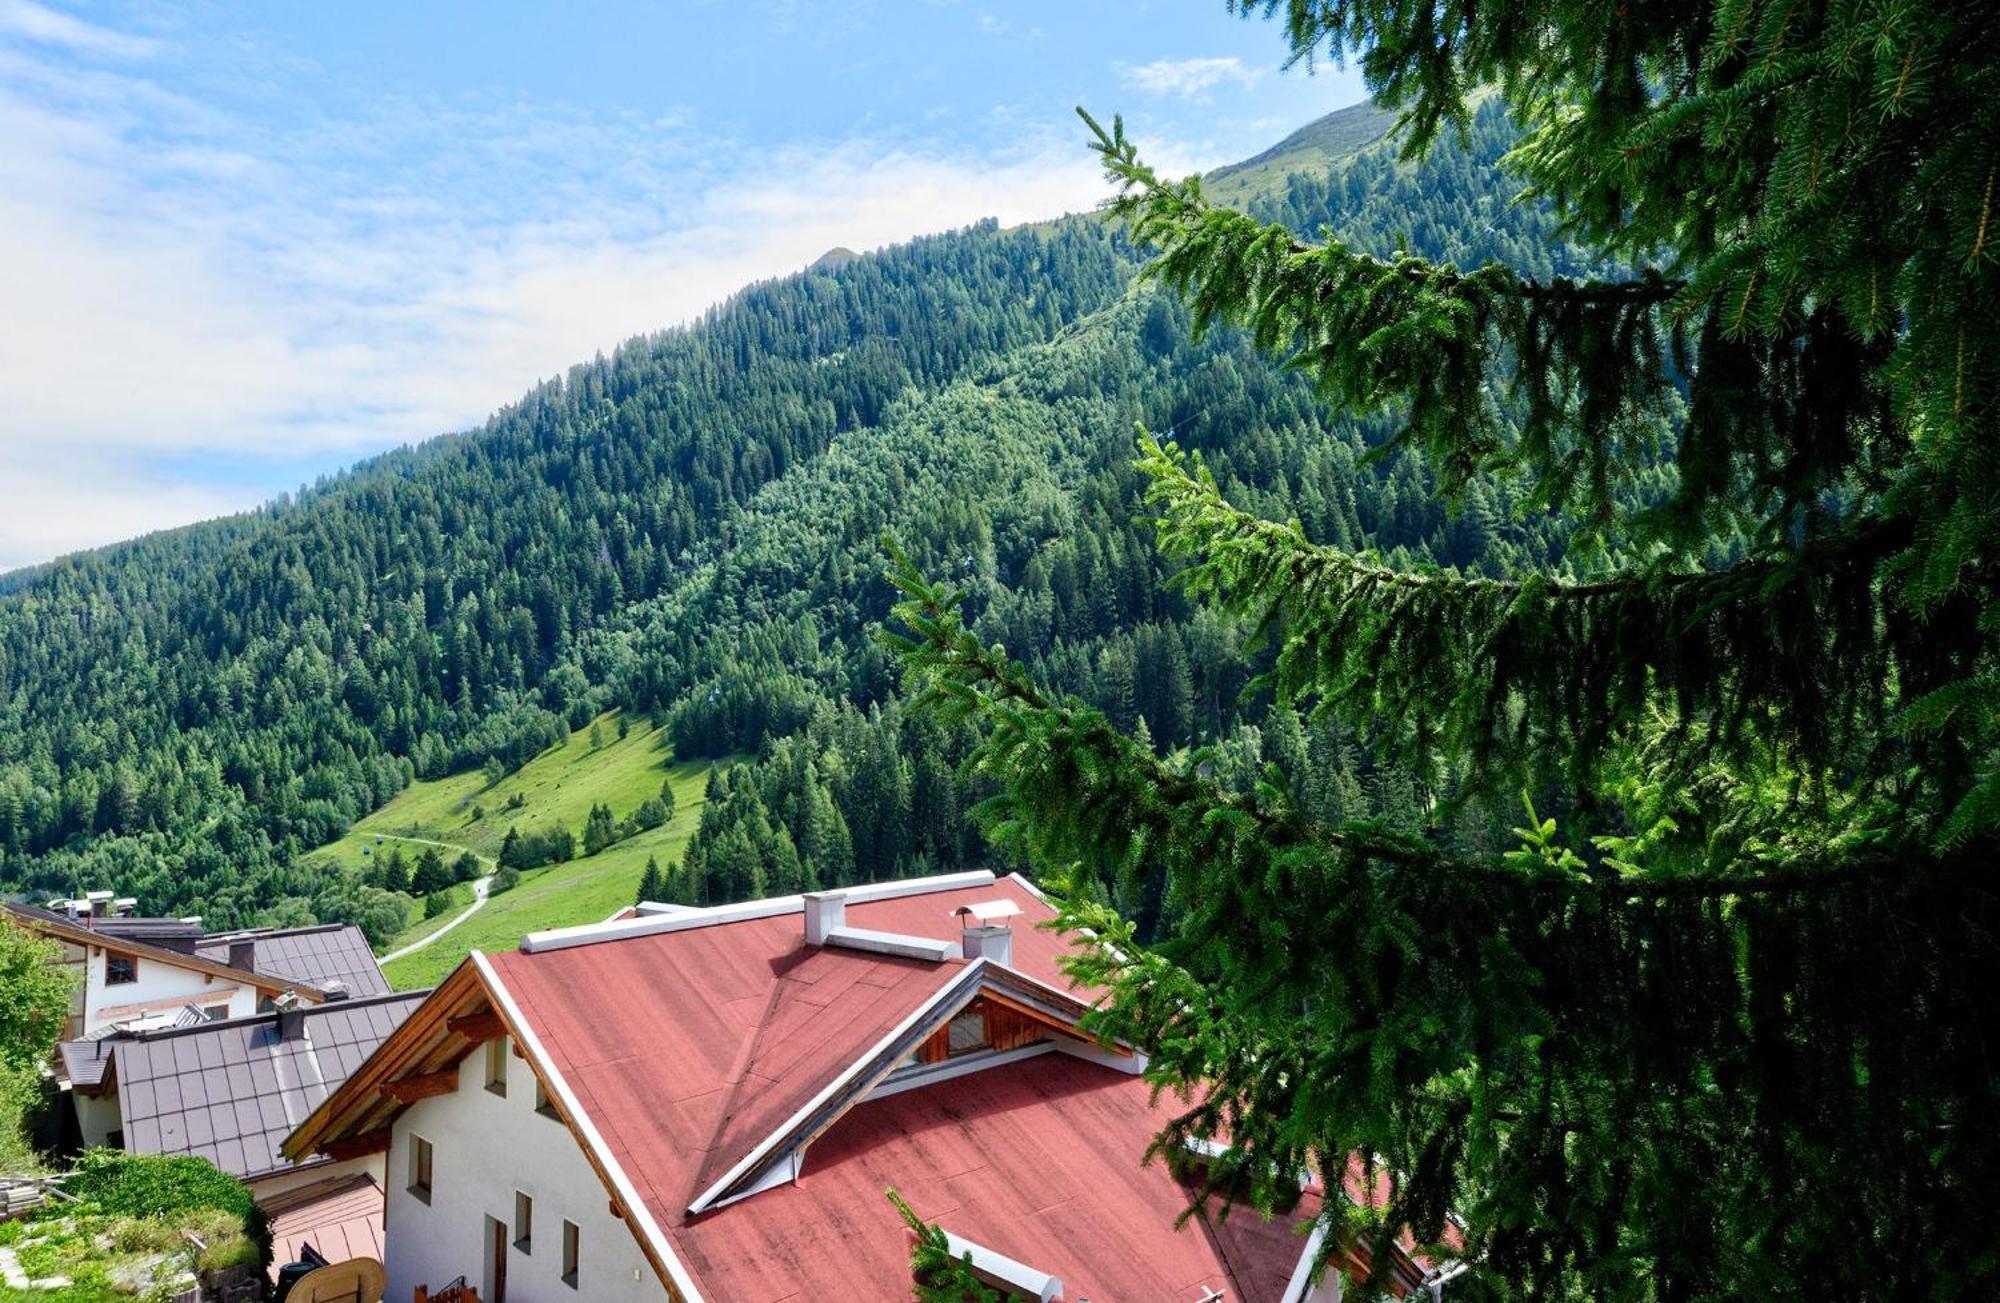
252	242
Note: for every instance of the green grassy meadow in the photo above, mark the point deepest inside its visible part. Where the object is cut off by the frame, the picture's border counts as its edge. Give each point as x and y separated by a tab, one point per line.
557	787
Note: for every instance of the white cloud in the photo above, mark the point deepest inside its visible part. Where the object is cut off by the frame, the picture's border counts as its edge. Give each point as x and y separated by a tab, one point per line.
191	287
50	27
1188	78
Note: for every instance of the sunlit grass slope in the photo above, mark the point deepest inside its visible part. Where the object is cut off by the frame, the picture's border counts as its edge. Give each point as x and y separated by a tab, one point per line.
557	787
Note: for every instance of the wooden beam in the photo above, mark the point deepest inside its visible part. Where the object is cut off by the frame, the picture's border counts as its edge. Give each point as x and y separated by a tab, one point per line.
359	1146
1050	1021
411	1089
477	1027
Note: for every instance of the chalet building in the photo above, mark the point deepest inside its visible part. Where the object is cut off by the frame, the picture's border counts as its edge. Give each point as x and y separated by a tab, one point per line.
230	1092
707	1105
217	1045
138	972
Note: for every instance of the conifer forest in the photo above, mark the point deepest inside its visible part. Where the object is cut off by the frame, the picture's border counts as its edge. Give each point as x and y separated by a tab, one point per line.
1492	624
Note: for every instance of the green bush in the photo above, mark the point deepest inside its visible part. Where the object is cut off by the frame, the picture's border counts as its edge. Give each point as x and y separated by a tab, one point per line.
118	1184
148	1185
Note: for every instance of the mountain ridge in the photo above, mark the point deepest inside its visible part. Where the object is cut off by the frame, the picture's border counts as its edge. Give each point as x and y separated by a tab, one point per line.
189	713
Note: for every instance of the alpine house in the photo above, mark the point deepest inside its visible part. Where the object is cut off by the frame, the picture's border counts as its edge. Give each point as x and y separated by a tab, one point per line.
707	1105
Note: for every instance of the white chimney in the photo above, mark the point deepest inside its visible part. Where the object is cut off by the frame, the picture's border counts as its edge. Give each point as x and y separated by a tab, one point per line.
993	943
825	911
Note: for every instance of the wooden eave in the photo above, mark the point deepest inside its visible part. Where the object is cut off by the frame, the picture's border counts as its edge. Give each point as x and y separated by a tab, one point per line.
83	936
423	1046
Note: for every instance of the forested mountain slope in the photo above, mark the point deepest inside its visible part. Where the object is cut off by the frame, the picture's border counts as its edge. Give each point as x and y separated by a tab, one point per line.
689	526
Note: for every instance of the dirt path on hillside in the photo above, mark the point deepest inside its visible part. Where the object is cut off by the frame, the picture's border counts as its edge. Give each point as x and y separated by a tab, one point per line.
479	889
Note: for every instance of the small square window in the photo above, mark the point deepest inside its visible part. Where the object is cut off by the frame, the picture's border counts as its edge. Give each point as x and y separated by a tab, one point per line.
420	1168
120	969
570	1248
496	1066
524	1222
216	1012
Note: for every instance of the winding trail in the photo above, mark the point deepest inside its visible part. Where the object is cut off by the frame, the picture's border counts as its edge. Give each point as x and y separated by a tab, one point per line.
479	887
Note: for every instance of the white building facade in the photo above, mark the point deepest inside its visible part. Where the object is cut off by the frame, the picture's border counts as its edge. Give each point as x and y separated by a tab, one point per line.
489	1151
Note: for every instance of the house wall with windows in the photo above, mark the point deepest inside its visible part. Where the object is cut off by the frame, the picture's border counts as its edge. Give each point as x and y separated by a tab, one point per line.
119	987
485	1149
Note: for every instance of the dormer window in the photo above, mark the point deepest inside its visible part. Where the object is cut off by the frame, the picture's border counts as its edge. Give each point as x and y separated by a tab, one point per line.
980	1026
967	1032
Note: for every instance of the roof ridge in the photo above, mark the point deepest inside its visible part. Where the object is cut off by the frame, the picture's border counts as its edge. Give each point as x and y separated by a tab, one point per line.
966	982
739	1073
265	1016
956	993
266	933
684	920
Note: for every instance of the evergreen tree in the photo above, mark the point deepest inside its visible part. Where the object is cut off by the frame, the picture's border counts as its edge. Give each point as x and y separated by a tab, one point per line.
936	1276
430	874
599	829
651	886
394	870
1717	1029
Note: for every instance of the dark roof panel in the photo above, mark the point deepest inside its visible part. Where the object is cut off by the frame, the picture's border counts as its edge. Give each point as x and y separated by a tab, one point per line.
231	1091
317	956
84	1062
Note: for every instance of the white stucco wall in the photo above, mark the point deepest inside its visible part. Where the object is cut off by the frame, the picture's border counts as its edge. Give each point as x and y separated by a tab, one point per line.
97	1116
105	1005
484	1148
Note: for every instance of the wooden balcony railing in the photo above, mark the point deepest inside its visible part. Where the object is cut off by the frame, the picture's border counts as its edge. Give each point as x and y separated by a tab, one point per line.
456	1292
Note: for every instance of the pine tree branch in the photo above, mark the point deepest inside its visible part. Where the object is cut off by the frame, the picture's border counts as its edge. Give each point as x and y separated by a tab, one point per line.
1159	206
1581	363
1499	671
1199	520
1152	800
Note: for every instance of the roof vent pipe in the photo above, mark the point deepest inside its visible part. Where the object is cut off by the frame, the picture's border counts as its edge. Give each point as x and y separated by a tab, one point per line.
992	943
825	911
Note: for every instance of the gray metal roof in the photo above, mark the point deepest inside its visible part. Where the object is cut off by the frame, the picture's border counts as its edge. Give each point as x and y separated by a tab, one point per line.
231	1091
315	955
84	1061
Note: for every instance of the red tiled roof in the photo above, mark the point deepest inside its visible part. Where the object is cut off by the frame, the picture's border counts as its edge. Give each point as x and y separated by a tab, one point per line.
686	1048
827	1008
1037	1160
